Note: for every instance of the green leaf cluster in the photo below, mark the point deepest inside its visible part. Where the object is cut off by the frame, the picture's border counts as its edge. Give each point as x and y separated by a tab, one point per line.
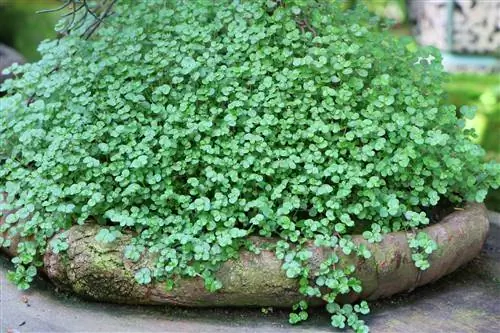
196	124
422	247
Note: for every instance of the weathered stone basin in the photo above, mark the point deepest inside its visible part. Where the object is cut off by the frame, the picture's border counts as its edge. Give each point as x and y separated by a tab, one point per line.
100	271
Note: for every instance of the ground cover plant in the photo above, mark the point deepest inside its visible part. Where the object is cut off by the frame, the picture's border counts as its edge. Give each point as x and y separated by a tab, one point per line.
196	124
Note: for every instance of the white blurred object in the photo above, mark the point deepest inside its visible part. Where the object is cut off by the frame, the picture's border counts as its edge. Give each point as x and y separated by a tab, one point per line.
458	26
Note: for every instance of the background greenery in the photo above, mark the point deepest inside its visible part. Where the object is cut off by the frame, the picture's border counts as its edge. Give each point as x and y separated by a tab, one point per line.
23	29
482	91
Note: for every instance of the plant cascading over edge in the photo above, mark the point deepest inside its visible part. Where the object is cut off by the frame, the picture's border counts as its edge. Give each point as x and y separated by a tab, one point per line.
196	124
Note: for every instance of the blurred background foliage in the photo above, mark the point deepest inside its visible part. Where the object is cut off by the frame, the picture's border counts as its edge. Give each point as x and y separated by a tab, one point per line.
23	29
482	91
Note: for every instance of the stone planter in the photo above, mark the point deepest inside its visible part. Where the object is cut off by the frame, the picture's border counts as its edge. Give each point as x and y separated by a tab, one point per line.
100	271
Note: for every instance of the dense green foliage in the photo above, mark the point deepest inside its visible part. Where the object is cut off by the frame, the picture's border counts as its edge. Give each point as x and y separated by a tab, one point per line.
198	123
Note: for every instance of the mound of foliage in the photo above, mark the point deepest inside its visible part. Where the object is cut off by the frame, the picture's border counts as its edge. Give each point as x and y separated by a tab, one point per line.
195	124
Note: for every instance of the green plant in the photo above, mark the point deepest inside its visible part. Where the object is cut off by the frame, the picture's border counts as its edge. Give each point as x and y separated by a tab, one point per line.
59	243
107	236
197	124
422	246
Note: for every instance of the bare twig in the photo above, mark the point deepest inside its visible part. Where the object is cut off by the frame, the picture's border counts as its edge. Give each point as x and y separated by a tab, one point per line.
88	10
66	4
76	6
310	28
97	23
304	25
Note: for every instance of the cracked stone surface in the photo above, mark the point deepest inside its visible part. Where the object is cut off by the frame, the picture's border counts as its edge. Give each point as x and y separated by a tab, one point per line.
465	301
